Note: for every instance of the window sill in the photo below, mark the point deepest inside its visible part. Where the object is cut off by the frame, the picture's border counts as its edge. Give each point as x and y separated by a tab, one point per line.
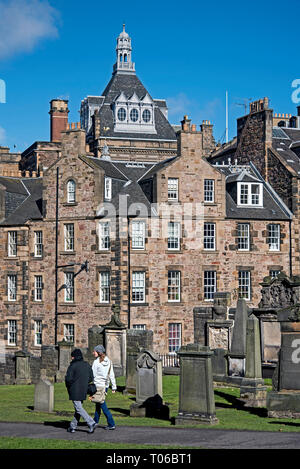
139	304
11	258
101	305
69	204
67	253
68	304
210	204
35	302
11	303
173	251
103	251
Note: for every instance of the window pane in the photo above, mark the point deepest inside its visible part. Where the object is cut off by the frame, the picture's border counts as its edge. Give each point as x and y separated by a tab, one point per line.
172	189
71	191
141	327
104	236
104	287
243	237
12	243
69	332
38	332
209	190
12	287
69	237
38	288
173	235
12	332
138	287
274	237
38	243
138	234
69	289
210	284
174	337
244	285
173	285
209	236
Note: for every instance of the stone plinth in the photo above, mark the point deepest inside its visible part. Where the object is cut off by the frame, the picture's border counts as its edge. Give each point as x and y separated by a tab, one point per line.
115	342
44	396
149	393
64	359
196	394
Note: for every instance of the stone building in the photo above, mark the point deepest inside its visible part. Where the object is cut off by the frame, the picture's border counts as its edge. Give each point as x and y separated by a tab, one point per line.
124	210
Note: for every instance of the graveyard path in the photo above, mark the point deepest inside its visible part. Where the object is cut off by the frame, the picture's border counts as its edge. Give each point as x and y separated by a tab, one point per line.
210	438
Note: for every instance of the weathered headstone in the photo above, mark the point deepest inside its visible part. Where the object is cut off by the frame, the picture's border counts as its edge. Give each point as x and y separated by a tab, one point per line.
149	393
64	359
22	368
284	400
253	392
196	393
137	340
44	396
115	342
237	354
220	365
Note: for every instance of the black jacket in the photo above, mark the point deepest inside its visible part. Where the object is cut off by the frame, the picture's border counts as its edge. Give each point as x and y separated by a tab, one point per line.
79	375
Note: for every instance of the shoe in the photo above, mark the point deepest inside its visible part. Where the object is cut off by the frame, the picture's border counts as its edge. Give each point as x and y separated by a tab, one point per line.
109	428
92	427
71	430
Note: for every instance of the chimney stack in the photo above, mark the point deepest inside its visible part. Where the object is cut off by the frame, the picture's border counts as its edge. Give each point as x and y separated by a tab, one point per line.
58	118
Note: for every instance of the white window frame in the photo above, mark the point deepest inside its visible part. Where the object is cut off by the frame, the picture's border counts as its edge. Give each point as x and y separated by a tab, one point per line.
138	289
243	235
274	273
274	237
139	327
245	284
138	234
12	287
69	332
174	286
71	191
38	333
107	188
174	232
38	288
12	241
209	190
104	287
173	184
69	287
38	243
209	238
174	337
104	236
69	234
246	194
210	284
12	332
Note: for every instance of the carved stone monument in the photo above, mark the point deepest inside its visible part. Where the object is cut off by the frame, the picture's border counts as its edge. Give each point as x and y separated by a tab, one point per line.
149	392
237	354
196	393
115	341
22	368
284	400
137	340
64	358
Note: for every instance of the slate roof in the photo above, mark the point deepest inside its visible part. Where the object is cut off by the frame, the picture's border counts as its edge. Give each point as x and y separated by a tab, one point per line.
129	84
286	147
273	207
23	200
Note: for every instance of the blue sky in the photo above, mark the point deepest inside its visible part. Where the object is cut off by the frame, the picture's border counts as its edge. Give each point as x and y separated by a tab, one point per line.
189	53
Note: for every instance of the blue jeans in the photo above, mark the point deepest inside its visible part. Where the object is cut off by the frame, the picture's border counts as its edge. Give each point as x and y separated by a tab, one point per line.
80	412
107	413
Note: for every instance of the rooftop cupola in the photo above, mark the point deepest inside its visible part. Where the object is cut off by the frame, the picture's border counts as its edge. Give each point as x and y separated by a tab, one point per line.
124	49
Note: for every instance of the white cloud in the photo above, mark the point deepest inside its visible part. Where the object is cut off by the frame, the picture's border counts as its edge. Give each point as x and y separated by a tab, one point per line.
2	136
24	23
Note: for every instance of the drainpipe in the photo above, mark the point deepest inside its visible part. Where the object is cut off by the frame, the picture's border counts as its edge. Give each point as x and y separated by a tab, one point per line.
291	259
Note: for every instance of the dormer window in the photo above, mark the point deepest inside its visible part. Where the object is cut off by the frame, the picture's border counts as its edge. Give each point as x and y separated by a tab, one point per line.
250	194
134	115
121	114
146	115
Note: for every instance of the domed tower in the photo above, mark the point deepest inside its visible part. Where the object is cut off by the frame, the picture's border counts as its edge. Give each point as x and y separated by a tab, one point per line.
124	49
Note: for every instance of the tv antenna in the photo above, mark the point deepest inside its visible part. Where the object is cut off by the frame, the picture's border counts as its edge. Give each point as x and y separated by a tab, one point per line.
245	103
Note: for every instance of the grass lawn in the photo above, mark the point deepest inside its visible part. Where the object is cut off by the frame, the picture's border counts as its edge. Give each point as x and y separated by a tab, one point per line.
16	405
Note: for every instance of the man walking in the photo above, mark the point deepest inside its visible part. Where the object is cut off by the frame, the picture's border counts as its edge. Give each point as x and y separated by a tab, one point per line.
103	374
79	375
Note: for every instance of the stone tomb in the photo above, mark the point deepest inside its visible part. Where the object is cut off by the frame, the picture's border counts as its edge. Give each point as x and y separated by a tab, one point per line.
196	393
149	393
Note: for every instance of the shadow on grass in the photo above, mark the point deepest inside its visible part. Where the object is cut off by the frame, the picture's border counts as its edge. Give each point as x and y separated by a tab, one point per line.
237	404
289	424
121	411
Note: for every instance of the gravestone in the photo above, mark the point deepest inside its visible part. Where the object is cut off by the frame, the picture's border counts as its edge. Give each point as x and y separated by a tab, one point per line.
196	393
44	396
220	365
22	368
237	354
253	392
115	342
64	358
149	393
284	400
137	340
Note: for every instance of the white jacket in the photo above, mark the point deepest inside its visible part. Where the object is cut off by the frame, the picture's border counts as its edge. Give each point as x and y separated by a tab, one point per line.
100	371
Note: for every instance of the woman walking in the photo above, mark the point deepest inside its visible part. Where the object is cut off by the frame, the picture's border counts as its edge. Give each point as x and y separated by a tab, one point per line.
103	375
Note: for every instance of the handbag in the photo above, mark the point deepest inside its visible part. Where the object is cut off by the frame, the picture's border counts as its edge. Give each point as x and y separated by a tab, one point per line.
91	389
99	396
